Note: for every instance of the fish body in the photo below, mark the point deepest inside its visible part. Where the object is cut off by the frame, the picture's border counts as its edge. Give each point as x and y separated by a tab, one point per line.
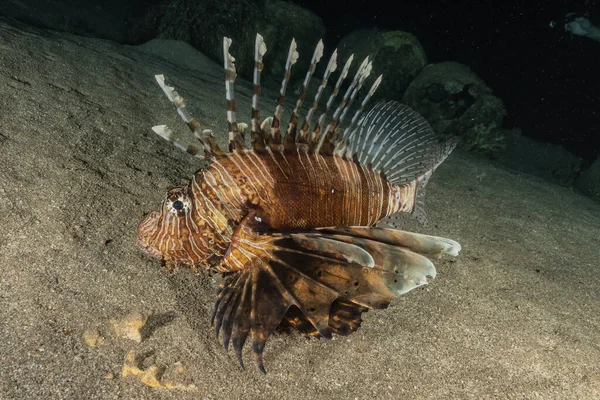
292	219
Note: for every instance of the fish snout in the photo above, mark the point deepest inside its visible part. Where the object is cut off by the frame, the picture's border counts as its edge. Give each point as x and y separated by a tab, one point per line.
147	230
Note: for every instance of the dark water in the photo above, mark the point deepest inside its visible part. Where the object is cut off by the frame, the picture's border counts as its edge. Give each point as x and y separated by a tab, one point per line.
547	77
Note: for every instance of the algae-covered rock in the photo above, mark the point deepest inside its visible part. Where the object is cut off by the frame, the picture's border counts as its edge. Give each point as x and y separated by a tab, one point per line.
282	22
589	181
204	23
457	102
397	55
200	23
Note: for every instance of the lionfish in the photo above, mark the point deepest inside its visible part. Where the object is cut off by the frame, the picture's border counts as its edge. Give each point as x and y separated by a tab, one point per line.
291	221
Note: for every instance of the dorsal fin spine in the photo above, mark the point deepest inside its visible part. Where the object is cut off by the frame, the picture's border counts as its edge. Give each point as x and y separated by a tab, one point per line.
236	141
211	149
319	125
292	125
275	125
361	80
365	100
349	131
357	77
258	140
331	67
335	119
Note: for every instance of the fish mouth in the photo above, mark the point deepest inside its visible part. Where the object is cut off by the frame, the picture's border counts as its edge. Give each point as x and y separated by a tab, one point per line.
146	231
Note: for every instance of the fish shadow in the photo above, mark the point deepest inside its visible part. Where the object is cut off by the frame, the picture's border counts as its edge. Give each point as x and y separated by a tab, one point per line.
156	321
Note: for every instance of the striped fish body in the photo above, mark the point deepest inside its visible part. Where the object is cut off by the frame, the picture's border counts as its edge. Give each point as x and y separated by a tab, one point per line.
292	220
300	190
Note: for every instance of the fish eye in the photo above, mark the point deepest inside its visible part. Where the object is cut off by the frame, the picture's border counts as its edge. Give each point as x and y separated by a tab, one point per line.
178	205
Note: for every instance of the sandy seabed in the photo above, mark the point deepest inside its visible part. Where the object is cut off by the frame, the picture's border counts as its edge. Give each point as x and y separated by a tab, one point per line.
515	316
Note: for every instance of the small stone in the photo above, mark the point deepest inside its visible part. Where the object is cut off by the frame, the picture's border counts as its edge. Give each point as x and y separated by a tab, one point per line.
129	326
179	368
92	338
151	376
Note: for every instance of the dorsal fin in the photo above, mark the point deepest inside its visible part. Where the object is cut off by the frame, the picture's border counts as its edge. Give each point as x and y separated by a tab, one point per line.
236	141
333	138
258	140
355	91
319	125
211	148
361	108
274	124
290	135
341	143
331	67
361	74
395	140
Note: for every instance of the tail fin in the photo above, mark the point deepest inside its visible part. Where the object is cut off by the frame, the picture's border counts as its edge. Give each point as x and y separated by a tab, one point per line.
440	153
320	281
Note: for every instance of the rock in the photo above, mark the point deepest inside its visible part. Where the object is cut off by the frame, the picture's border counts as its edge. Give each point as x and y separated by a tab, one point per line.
151	376
397	55
178	53
204	23
589	181
130	326
92	338
282	22
105	19
200	23
546	160
457	102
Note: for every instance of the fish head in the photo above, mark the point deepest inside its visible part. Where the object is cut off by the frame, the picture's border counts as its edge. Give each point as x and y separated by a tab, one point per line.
171	233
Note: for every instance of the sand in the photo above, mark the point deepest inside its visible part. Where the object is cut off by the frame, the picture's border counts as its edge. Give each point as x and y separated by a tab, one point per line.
516	315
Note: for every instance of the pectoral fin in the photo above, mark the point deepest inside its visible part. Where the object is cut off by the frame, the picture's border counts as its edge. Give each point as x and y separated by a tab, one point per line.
319	282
